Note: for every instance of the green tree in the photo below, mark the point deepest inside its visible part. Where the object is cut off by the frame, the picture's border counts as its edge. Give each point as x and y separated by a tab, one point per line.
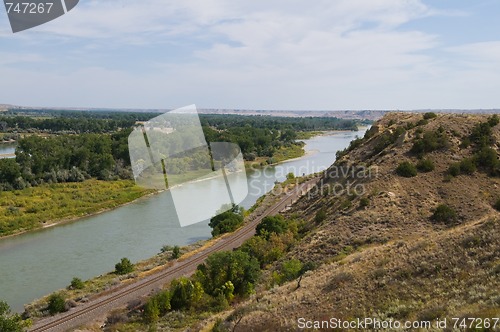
235	266
124	266
272	224
151	311
227	221
11	322
57	304
185	293
77	283
176	252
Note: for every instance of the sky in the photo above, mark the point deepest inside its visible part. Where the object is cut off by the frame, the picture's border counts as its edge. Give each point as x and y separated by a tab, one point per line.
258	54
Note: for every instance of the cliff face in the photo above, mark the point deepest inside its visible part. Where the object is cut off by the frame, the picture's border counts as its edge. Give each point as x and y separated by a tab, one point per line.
410	232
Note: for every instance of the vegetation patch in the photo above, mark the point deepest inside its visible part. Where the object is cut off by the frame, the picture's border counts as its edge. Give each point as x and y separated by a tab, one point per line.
406	169
444	214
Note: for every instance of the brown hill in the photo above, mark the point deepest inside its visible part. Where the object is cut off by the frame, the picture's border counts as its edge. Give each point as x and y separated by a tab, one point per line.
397	245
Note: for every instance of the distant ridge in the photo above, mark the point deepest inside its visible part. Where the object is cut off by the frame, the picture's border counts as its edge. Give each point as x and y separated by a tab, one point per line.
342	114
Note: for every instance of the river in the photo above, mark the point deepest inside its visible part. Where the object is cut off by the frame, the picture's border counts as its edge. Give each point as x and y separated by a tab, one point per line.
40	262
7	148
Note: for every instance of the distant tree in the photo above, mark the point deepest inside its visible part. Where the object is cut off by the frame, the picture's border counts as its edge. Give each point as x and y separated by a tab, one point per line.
11	322
57	304
124	266
429	115
290	176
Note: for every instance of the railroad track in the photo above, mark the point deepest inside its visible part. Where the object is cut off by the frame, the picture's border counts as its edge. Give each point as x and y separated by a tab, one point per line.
121	296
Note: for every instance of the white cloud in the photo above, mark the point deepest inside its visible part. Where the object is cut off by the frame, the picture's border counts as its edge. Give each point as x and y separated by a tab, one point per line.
255	54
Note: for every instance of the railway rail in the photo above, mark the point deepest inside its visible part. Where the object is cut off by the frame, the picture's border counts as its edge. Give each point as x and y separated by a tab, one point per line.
121	296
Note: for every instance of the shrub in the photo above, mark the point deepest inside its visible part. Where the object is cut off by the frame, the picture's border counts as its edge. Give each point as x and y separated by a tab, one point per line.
363	202
467	166
124	266
487	157
430	141
496	206
11	322
406	169
445	214
454	169
289	270
425	165
176	252
77	283
320	216
493	120
57	304
429	115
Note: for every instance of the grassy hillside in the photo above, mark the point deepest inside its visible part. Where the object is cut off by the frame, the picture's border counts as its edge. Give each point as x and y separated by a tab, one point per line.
417	240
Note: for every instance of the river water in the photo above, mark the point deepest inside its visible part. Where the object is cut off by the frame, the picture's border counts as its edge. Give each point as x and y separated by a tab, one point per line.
7	148
40	262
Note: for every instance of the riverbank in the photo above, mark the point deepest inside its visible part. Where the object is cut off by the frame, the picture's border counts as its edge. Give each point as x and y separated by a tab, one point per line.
55	204
104	284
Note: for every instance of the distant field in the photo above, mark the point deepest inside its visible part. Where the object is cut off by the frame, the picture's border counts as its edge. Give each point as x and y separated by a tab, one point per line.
32	208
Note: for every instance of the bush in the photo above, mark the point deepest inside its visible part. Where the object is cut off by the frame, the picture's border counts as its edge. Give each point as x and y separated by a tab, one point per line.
429	115
425	165
124	266
320	216
176	252
364	202
291	269
467	166
406	169
496	206
430	141
77	283
11	322
487	158
445	214
57	304
454	169
493	120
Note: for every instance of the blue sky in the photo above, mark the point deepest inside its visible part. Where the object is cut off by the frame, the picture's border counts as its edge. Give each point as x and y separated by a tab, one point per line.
258	54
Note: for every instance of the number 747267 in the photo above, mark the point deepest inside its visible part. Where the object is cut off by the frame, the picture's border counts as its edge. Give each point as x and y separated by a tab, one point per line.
29	7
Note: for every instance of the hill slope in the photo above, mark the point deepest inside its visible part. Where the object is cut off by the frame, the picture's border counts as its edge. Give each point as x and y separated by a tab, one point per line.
394	247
